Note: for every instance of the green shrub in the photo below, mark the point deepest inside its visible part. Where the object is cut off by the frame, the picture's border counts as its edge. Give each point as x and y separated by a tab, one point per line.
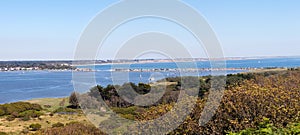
21	110
47	106
65	110
10	118
3	133
128	110
25	118
128	116
18	107
127	113
31	113
2	112
73	128
35	127
58	125
267	128
73	122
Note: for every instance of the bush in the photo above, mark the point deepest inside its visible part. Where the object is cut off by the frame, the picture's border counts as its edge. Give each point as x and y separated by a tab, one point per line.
247	105
268	128
47	106
15	114
18	107
73	128
64	110
25	118
2	112
73	100
10	118
128	110
58	125
35	127
31	113
3	133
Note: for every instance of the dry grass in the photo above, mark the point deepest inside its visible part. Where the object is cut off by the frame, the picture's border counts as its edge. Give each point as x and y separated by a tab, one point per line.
17	125
267	70
53	102
46	121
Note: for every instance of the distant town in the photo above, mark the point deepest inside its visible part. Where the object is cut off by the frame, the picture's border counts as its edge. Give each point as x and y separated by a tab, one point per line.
69	65
35	65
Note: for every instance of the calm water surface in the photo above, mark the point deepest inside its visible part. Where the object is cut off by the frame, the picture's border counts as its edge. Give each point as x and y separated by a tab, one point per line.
16	86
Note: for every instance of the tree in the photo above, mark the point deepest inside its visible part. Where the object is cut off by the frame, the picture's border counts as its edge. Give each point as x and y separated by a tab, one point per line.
73	100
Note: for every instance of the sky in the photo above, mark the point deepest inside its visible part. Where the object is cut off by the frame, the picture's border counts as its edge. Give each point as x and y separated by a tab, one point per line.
50	29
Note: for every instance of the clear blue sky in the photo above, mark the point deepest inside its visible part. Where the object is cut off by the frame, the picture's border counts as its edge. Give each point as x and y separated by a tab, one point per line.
50	29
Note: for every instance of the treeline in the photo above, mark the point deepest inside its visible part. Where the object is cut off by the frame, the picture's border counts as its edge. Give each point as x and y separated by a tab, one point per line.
110	93
111	97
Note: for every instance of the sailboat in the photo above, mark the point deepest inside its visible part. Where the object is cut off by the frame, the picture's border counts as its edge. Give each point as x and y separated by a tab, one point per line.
141	77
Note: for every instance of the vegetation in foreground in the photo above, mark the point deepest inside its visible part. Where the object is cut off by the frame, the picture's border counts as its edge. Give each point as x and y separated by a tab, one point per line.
52	113
253	103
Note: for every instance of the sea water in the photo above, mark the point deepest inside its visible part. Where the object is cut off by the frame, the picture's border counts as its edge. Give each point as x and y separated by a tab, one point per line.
20	85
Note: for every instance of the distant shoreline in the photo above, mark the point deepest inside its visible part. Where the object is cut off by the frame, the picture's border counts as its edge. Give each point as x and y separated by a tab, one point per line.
65	65
225	58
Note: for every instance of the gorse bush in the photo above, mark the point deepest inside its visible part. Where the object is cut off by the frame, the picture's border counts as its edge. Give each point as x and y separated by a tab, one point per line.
2	112
58	124
18	107
271	96
10	118
31	113
35	127
129	112
267	128
22	110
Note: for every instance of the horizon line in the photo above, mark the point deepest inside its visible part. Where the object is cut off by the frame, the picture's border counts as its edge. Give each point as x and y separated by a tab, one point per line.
230	57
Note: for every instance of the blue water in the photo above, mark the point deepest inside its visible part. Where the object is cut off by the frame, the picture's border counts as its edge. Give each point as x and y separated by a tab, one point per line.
16	86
